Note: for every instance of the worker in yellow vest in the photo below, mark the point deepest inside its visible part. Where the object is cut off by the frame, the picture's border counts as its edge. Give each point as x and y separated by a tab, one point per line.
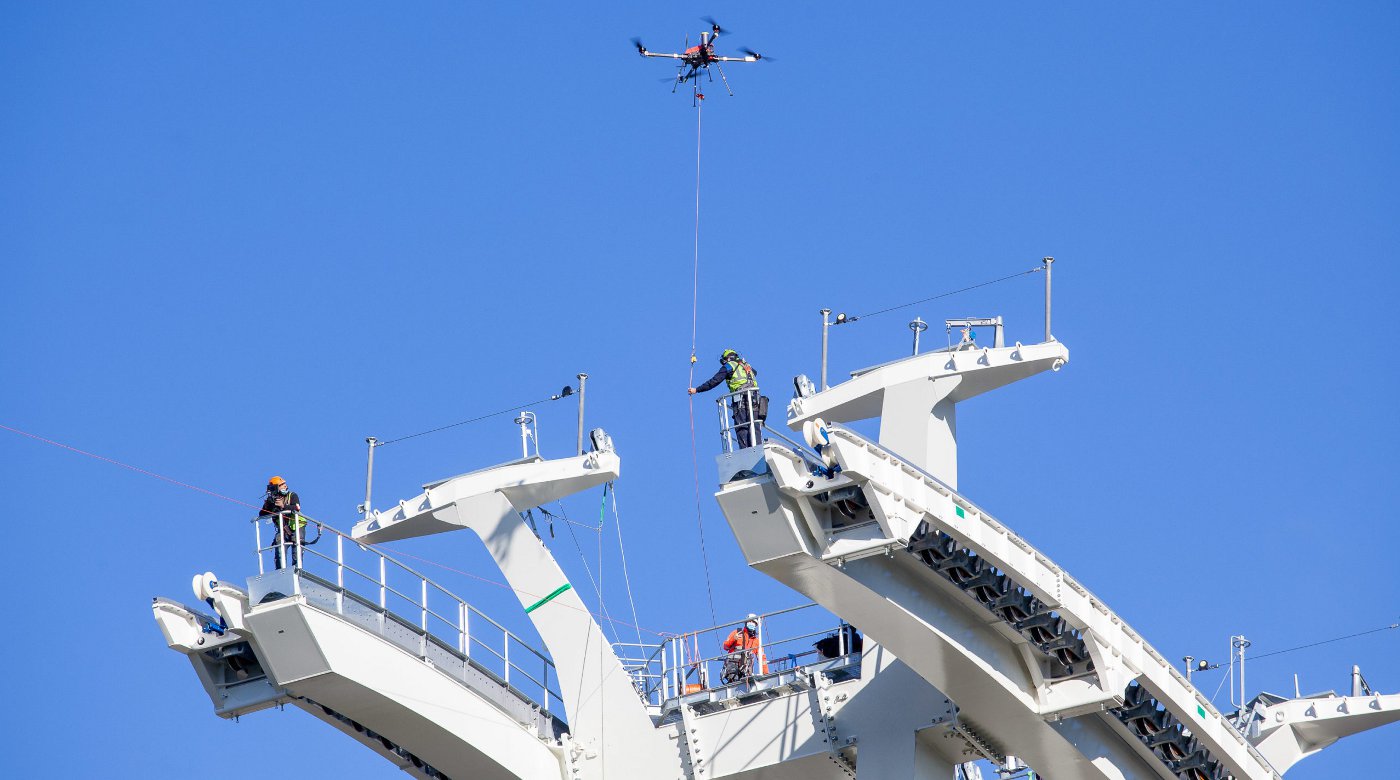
285	506
749	411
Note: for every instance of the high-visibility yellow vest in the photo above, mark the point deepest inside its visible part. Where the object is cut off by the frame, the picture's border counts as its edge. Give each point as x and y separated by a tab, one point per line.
741	376
293	520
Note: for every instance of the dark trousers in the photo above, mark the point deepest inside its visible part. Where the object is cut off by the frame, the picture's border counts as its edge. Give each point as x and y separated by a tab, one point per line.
746	427
293	539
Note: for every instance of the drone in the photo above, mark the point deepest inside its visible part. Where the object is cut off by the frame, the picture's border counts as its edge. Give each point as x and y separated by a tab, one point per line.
696	60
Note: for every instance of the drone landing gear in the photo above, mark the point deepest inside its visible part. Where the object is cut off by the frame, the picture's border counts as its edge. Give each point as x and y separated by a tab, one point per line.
723	78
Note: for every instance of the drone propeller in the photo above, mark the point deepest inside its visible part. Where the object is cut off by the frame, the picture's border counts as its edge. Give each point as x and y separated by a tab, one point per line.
714	26
638	43
755	55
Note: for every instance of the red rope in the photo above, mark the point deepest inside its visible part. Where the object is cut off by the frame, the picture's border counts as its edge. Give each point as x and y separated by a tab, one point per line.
333	530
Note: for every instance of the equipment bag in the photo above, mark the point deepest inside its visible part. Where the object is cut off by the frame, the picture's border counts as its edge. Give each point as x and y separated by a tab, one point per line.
736	667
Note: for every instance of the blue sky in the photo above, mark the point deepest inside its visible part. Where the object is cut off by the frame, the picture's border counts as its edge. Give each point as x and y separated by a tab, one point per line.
237	240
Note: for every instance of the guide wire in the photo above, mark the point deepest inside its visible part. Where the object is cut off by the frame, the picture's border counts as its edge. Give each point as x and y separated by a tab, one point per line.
1325	642
595	582
324	525
699	521
695	274
1225	677
622	551
472	420
1036	270
567	519
137	469
694	322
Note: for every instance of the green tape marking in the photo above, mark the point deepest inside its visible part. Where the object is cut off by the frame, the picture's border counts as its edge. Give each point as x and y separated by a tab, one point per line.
959	510
548	598
1201	711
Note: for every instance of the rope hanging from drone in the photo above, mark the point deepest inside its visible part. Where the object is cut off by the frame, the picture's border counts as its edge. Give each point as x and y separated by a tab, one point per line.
694	321
695	272
695	61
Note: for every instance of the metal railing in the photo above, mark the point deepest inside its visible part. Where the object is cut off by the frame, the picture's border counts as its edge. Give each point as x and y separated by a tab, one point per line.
738	419
678	666
812	459
398	596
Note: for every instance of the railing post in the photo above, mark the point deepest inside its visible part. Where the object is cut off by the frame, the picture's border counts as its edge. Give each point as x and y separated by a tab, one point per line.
918	326
366	508
762	659
296	548
257	539
462	643
467	631
677	683
423	643
826	325
505	655
724	437
756	432
582	381
383	604
751	398
340	574
279	558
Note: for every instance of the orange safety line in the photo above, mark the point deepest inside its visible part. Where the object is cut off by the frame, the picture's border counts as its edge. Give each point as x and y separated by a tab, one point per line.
699	521
324	525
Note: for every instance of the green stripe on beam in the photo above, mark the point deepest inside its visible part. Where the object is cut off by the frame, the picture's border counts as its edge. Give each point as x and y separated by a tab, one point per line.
548	598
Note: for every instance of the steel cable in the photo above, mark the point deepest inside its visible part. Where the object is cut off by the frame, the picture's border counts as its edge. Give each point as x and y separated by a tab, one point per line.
946	294
322	524
472	420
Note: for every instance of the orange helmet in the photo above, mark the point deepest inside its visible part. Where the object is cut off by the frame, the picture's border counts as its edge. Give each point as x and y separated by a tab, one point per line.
277	482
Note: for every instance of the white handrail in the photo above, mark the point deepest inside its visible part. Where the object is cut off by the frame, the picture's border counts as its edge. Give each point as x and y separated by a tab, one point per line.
1035	572
455	632
661	672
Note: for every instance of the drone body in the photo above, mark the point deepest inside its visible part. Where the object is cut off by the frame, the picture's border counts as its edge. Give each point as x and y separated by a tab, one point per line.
696	60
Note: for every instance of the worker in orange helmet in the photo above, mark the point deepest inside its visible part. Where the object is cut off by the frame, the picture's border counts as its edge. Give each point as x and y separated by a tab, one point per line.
744	646
284	505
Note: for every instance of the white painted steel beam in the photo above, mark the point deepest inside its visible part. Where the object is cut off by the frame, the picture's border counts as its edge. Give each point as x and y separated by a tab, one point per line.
954	650
311	658
1289	731
916	398
861	571
322	657
608	723
911	497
